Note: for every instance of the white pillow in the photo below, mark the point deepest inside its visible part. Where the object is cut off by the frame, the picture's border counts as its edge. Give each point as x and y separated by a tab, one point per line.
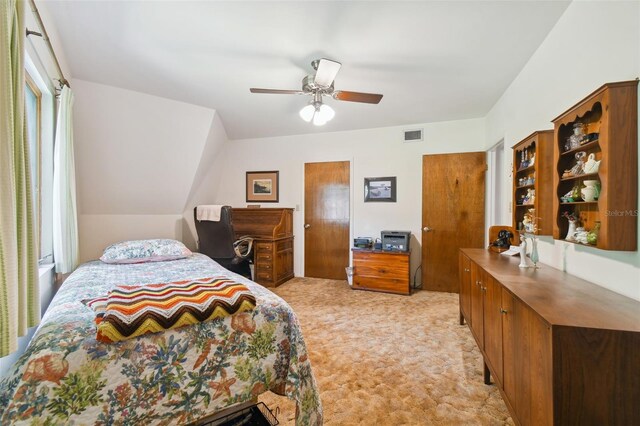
140	251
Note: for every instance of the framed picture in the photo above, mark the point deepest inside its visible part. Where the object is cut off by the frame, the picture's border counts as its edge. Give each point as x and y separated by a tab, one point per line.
380	189
263	187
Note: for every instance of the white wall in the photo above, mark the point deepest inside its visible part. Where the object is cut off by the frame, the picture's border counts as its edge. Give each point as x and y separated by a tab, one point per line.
206	180
372	153
97	231
137	158
592	43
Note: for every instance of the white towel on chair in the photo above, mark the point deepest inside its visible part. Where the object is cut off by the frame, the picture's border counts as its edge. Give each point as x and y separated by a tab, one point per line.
209	212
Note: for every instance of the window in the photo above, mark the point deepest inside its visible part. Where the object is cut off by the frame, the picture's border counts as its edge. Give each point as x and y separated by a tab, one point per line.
33	105
40	105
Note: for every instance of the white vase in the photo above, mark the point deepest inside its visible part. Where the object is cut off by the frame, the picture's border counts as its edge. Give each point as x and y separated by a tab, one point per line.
572	230
588	193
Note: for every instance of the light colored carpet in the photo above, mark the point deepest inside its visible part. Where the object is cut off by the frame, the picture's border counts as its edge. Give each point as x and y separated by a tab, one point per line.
383	359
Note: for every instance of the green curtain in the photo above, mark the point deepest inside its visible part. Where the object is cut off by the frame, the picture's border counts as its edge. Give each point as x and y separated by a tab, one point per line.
19	295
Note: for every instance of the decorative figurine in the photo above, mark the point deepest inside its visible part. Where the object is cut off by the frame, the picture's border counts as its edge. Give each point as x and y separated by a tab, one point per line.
523	252
573	220
592	236
530	197
591	166
577	137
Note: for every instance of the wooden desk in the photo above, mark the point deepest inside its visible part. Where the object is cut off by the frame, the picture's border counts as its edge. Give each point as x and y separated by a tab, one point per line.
272	230
379	270
562	350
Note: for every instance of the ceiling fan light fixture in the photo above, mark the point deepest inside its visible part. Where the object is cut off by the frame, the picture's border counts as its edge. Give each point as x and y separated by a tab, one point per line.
326	112
308	112
318	121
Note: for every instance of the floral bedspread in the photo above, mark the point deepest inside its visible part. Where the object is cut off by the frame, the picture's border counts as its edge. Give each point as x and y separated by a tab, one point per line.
67	377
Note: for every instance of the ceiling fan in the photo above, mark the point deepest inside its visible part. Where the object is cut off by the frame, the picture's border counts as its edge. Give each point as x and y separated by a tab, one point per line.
319	85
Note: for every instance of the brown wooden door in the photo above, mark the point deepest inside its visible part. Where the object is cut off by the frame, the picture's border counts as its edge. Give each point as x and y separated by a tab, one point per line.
452	214
326	222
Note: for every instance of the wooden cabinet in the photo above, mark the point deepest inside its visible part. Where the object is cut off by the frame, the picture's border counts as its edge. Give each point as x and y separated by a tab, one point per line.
465	288
477	304
533	180
492	320
273	261
526	350
561	350
272	230
608	118
378	270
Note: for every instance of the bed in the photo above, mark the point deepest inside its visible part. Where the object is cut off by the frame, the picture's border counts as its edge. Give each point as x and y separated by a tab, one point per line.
177	376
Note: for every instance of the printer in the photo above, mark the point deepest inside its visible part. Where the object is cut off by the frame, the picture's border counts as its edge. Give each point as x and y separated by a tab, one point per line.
395	240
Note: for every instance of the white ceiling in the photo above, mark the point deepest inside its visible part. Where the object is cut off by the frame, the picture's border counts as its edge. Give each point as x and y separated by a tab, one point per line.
433	61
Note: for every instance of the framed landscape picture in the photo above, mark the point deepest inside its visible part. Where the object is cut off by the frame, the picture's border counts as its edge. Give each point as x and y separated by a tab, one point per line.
382	189
262	187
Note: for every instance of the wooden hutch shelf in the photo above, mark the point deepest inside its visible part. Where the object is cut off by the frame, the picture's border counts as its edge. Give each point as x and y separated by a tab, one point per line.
609	116
536	177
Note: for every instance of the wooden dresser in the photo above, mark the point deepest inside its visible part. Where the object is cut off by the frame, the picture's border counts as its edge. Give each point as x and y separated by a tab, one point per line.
562	351
272	230
380	270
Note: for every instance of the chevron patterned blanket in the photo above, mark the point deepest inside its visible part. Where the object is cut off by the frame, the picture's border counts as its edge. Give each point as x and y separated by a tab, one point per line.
131	311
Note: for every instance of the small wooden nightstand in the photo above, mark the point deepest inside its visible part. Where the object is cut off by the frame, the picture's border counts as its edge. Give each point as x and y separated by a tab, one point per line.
380	270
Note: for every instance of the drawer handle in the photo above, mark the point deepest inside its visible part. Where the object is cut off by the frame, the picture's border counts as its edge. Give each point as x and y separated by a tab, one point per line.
503	311
466	269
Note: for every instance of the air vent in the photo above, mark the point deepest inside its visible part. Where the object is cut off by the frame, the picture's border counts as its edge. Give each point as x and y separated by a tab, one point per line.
413	135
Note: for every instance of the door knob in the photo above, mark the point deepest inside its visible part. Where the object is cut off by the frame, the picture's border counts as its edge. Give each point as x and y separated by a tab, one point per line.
427	229
307	226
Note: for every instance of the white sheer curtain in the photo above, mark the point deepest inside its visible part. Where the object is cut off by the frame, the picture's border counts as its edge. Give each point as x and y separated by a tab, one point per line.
65	215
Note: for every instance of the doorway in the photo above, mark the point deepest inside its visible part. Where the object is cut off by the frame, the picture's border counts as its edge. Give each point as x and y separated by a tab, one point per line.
495	198
326	219
453	188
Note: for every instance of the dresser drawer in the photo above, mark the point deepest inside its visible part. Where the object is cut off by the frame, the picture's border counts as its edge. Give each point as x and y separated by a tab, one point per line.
263	266
380	269
264	247
264	276
400	286
264	256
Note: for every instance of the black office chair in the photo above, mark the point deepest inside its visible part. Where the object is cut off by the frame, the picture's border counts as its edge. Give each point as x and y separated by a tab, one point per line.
218	241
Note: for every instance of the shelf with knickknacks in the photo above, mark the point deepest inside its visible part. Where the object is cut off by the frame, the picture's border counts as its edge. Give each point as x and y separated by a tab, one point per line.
595	180
532	177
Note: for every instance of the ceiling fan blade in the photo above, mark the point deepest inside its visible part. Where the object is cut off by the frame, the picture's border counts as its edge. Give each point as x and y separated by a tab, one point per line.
367	98
326	73
277	91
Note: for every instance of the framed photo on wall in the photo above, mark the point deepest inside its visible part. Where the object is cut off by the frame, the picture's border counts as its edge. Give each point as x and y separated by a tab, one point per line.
263	187
380	189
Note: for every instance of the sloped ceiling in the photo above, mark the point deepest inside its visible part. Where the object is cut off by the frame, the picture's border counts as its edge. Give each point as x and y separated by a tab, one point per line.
138	154
433	61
